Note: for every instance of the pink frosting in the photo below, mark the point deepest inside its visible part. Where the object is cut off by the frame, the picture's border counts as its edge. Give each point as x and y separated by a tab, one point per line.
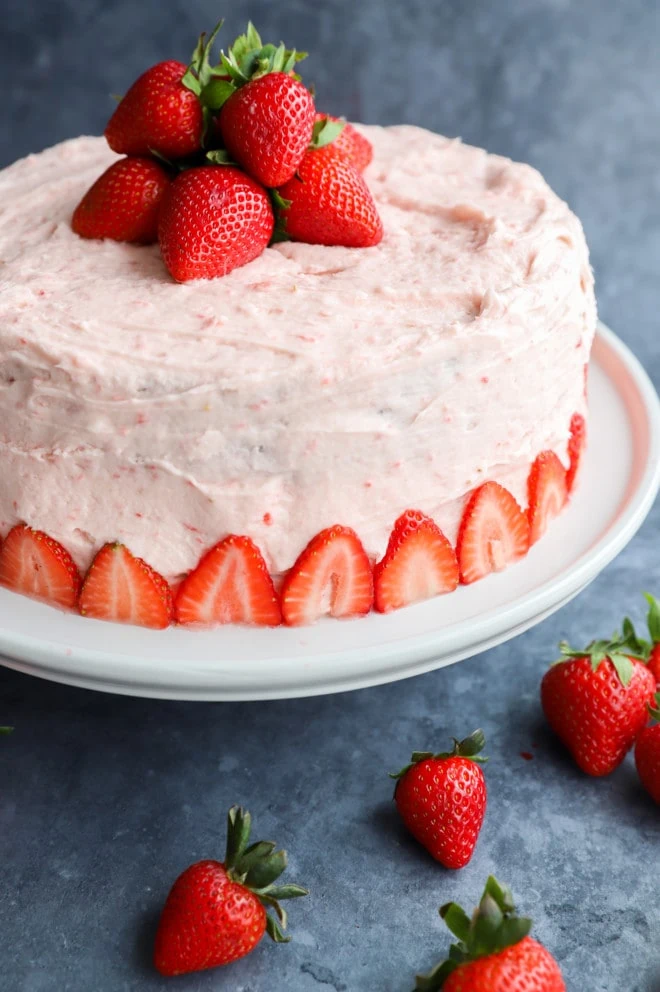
314	386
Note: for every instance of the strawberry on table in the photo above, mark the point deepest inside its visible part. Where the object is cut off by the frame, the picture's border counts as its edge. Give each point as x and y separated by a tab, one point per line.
357	149
123	203
547	493
441	798
331	577
34	564
231	584
213	219
596	701
419	563
576	445
266	123
494	952
647	752
328	202
124	589
217	911
494	532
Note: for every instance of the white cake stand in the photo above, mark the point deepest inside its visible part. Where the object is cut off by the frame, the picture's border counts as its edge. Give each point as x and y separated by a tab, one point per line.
233	663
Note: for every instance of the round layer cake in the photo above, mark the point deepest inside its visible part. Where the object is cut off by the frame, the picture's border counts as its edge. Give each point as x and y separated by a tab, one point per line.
315	386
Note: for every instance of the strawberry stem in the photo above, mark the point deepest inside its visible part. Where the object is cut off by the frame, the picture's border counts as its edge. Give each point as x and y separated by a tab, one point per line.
620	649
469	747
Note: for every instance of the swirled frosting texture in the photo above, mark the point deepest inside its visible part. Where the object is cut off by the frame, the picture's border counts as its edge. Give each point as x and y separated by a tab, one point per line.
314	386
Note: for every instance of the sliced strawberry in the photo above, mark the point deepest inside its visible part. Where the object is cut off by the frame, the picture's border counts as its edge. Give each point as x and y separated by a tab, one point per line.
494	532
576	446
34	564
125	589
419	563
546	492
231	584
331	577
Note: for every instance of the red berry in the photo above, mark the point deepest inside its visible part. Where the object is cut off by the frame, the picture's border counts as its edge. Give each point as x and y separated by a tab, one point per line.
576	445
123	203
124	589
494	533
231	584
357	149
546	492
267	125
212	220
442	800
419	563
494	952
332	576
330	203
34	564
647	754
596	701
158	114
216	911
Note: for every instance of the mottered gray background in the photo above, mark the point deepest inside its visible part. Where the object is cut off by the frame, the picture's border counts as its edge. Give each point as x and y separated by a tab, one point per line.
104	800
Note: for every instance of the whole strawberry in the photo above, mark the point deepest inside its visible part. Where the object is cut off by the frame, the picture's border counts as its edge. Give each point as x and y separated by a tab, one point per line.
267	121
595	700
647	753
124	202
494	952
357	149
213	219
441	798
328	203
216	911
158	114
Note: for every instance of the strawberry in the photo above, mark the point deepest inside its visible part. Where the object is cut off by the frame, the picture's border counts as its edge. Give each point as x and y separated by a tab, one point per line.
419	563
653	620
267	121
213	219
34	564
494	532
332	576
328	203
546	493
231	584
595	701
216	912
125	589
159	114
441	798
576	445
123	203
357	149
494	952
647	753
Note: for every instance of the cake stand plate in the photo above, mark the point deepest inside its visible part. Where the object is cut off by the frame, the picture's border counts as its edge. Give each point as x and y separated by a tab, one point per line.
234	663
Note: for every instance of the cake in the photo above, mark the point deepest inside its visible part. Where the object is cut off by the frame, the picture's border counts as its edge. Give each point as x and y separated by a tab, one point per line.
315	386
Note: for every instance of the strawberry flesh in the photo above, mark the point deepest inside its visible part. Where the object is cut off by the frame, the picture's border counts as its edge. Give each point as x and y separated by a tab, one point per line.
33	564
331	577
494	533
547	493
124	589
576	445
231	584
419	563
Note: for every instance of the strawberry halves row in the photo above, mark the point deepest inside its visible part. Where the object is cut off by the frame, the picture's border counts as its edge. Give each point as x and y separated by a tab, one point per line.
333	576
